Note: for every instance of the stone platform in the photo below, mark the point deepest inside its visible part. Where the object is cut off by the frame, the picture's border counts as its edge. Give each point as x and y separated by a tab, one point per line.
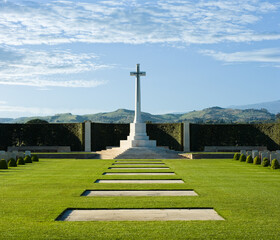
139	153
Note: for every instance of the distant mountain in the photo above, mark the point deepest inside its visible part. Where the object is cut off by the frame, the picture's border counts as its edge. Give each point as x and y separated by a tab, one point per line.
208	115
273	107
6	120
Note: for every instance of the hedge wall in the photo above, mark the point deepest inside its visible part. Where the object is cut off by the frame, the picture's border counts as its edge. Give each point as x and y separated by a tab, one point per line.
109	134
54	134
167	134
234	135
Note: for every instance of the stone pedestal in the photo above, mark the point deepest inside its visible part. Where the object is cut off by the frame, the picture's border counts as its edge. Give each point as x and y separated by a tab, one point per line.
137	137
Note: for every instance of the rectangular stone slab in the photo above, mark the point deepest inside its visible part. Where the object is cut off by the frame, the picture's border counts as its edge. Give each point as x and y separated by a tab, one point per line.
140	215
138	168
139	173
138	161
139	181
142	164
138	193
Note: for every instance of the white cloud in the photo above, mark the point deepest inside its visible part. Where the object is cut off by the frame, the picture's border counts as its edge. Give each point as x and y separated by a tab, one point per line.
134	22
20	111
268	55
46	69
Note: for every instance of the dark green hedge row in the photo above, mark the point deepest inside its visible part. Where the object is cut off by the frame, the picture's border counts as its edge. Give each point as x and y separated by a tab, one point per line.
167	134
107	134
55	134
235	135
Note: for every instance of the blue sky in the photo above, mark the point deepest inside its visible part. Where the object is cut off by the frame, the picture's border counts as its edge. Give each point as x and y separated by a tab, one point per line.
75	56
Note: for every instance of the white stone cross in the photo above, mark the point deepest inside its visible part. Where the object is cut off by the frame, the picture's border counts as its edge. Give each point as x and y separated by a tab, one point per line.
137	118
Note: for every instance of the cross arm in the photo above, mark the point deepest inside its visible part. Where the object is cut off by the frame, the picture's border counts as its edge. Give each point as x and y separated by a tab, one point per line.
138	73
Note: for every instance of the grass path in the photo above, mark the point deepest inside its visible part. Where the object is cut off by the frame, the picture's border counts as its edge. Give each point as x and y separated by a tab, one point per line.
32	196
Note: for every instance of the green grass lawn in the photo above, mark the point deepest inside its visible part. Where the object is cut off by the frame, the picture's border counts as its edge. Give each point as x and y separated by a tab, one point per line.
32	196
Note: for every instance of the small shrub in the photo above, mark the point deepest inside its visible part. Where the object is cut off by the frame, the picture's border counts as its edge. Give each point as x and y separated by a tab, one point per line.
236	156
27	159
275	164
3	164
34	158
265	162
249	159
12	162
257	160
20	161
242	158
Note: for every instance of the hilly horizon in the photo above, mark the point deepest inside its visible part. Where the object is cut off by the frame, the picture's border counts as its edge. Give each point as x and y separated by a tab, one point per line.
272	106
208	115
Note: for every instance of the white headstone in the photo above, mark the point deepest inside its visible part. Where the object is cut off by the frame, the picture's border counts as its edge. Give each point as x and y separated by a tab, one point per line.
2	155
21	154
278	157
248	153
27	153
255	153
243	152
264	154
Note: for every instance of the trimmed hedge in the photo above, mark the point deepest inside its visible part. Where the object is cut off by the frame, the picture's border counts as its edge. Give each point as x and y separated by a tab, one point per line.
27	159
242	158
34	158
236	156
249	159
20	161
235	135
53	134
109	134
265	162
257	160
12	162
3	164
167	134
106	134
275	164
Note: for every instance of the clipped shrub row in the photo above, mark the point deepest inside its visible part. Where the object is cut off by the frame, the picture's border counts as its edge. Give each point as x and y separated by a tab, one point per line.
20	161
249	159
236	156
265	162
257	160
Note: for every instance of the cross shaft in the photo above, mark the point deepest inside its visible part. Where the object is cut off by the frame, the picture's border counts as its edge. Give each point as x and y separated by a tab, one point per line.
137	118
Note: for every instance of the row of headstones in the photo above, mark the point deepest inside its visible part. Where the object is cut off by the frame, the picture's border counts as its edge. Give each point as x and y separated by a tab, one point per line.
263	154
13	154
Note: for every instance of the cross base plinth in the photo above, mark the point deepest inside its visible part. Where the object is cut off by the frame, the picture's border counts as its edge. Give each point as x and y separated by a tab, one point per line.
137	137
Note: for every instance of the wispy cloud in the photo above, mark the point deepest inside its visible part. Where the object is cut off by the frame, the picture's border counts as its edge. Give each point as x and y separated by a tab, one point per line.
268	55
20	111
134	22
46	68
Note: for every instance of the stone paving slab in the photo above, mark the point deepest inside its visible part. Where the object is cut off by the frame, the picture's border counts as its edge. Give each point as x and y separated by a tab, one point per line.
139	181
139	173
142	164
138	161
138	193
139	215
138	168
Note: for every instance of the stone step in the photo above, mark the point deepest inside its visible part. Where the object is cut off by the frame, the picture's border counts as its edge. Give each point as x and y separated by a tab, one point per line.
139	153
